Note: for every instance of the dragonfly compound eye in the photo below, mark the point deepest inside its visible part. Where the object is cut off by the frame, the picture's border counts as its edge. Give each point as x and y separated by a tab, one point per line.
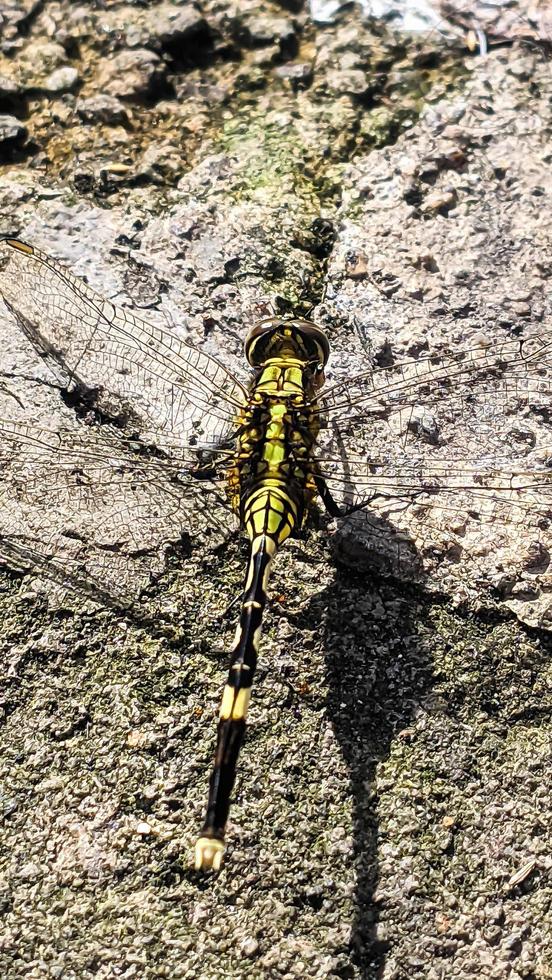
303	339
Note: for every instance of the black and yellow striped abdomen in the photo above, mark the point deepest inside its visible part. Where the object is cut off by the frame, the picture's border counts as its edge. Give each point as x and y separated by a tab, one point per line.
271	486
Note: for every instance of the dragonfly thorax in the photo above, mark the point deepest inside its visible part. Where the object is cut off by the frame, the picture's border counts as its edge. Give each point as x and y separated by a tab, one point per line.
285	379
278	430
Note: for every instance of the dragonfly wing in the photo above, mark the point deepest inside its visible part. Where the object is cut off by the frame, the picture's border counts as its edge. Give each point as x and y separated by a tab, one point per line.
465	531
456	490
461	425
512	493
165	387
112	580
75	503
509	370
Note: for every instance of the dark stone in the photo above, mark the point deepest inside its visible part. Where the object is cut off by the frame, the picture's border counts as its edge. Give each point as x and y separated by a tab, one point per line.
102	109
12	133
299	75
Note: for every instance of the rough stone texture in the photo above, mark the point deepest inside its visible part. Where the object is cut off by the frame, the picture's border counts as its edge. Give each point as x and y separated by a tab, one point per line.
12	133
102	109
393	803
62	80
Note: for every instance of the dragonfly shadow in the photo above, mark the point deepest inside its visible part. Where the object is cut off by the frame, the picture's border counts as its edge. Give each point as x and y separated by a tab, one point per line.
379	674
367	540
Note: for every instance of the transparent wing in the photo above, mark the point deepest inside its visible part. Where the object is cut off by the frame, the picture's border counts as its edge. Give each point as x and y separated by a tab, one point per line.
164	386
510	492
80	506
507	370
463	527
453	429
453	456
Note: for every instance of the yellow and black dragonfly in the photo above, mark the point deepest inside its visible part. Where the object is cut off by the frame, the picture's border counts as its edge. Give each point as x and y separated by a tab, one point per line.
167	431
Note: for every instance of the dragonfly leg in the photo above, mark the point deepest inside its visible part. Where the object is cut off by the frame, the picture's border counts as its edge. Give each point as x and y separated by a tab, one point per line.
333	508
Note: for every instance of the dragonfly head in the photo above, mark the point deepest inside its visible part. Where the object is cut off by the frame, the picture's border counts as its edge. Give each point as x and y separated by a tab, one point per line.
298	338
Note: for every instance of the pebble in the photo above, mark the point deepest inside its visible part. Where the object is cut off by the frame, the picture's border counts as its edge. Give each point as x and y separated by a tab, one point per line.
351	82
426	261
408	167
451	155
521	69
47	56
131	74
12	132
136	739
249	947
161	162
143	828
62	80
521	309
175	25
439	202
517	297
456	134
8	87
261	31
102	109
299	74
29	872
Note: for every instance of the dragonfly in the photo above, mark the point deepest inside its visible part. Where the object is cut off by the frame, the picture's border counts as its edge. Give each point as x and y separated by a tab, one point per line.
165	431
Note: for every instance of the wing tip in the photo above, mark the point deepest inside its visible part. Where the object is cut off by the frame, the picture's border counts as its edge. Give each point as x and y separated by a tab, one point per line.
18	245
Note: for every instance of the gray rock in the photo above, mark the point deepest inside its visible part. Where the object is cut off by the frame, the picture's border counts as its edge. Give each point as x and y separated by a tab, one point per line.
176	25
42	57
348	81
102	109
132	74
62	80
298	74
12	132
263	31
160	164
9	88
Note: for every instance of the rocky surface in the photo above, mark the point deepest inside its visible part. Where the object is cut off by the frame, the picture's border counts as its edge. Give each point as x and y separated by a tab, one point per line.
207	163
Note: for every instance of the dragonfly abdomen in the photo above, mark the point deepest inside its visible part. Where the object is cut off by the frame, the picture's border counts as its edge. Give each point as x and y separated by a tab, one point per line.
235	702
269	512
